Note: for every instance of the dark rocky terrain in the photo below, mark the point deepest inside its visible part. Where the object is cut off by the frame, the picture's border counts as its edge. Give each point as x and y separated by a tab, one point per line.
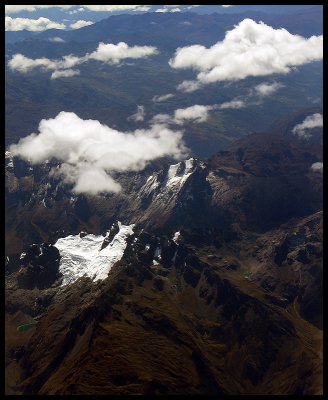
188	321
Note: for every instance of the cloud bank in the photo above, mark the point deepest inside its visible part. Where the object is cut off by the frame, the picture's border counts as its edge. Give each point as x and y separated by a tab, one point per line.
34	25
310	122
11	9
107	53
24	64
250	49
89	151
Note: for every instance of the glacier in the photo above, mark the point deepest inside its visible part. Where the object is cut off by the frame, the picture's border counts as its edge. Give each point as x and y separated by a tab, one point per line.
83	255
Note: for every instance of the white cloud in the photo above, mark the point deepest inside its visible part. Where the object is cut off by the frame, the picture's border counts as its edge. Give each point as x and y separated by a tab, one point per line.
24	64
158	99
34	25
65	73
80	24
232	104
189	86
310	122
56	40
250	49
266	89
185	23
196	113
109	53
90	151
318	166
139	115
114	53
227	6
12	9
114	8
86	178
164	10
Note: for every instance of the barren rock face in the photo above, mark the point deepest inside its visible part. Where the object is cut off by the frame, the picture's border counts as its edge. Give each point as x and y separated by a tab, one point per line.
217	289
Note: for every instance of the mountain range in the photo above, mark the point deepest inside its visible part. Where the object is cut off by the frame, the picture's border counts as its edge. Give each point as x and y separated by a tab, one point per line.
200	271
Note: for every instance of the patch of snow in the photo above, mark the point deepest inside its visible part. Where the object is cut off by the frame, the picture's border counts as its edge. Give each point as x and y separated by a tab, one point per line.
147	247
43	202
151	184
178	179
22	256
9	156
176	237
155	262
82	256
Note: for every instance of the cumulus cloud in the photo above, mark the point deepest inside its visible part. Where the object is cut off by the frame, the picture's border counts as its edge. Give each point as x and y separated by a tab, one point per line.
139	115
65	73
158	99
89	151
250	49
318	166
24	64
114	53
232	104
196	113
34	25
188	86
80	24
310	122
56	39
108	53
266	89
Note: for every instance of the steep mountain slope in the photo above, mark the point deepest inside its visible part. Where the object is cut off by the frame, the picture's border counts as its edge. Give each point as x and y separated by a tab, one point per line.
216	288
261	182
129	333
